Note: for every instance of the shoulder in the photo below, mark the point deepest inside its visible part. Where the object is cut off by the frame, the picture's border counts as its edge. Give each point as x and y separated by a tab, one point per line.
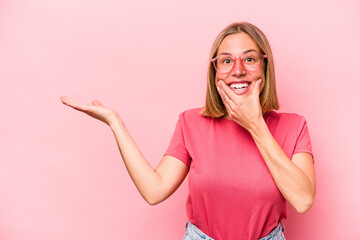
192	114
193	117
285	116
284	119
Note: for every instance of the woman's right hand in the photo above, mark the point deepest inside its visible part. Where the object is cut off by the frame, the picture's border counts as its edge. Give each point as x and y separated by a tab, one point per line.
95	110
154	185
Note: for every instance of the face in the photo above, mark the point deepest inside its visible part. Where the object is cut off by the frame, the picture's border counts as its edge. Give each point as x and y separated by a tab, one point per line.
237	44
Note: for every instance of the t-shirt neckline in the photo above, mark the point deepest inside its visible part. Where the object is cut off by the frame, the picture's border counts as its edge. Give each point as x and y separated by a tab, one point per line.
265	115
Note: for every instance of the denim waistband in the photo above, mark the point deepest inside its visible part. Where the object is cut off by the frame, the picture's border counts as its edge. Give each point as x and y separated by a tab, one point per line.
192	229
275	232
273	235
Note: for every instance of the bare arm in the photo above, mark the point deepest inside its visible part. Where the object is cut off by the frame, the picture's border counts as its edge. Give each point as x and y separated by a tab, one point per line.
154	185
295	178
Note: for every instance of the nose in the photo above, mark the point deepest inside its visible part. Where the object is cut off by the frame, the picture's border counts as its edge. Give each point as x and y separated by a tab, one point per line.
238	68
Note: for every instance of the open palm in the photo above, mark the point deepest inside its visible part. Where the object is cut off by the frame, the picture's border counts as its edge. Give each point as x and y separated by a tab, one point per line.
95	110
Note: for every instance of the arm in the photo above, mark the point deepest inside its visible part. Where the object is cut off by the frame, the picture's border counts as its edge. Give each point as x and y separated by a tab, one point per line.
294	178
154	185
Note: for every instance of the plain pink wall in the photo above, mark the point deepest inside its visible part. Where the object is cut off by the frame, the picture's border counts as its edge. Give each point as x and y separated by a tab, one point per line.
61	176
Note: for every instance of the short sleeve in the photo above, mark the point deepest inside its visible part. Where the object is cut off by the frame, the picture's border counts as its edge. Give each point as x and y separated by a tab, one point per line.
303	142
177	146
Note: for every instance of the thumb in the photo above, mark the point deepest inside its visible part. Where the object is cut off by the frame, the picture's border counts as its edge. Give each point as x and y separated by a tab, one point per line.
97	103
256	90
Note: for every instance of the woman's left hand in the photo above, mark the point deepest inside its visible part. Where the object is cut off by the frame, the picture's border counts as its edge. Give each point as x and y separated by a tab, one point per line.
243	109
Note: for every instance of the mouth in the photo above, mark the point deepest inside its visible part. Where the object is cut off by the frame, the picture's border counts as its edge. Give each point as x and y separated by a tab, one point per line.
239	85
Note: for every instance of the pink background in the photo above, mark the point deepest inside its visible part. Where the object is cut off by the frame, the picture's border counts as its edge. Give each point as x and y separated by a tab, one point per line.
61	176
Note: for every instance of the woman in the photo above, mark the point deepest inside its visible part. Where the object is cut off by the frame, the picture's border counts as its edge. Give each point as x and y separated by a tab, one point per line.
245	161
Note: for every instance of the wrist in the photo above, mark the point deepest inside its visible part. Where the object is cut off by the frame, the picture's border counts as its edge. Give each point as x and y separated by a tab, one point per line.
115	121
258	128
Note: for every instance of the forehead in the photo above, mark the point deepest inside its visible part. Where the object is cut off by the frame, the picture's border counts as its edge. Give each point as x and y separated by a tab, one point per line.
237	44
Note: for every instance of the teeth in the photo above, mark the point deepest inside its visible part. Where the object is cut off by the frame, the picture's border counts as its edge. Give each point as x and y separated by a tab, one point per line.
239	85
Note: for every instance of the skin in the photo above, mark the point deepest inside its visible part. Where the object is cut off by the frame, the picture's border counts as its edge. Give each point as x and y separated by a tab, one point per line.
154	185
246	107
237	44
295	178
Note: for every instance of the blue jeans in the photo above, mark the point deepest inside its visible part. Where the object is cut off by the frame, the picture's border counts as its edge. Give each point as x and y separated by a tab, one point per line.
193	233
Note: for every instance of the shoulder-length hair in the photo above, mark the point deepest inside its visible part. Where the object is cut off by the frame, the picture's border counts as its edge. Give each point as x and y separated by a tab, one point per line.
214	107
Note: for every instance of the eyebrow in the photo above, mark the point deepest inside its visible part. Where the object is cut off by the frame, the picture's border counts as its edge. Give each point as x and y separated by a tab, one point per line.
250	50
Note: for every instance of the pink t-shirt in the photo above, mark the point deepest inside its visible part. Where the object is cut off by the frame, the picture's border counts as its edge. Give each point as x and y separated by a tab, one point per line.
232	194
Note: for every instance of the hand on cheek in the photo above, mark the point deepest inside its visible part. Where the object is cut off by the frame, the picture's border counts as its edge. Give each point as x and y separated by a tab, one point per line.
244	109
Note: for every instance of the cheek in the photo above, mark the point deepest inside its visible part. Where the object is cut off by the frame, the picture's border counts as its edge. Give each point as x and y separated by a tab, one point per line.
255	76
221	77
217	78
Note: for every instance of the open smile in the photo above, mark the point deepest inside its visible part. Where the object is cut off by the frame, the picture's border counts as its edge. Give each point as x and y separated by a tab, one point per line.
240	87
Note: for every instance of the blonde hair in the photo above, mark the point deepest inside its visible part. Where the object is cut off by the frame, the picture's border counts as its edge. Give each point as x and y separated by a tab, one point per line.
214	107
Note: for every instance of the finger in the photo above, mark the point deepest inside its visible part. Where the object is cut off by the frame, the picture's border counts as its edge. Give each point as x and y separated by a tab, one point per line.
226	100
227	90
97	103
222	94
256	88
74	104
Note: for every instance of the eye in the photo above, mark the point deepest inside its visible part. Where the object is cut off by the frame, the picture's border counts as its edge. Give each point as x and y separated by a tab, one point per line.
226	61
249	60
